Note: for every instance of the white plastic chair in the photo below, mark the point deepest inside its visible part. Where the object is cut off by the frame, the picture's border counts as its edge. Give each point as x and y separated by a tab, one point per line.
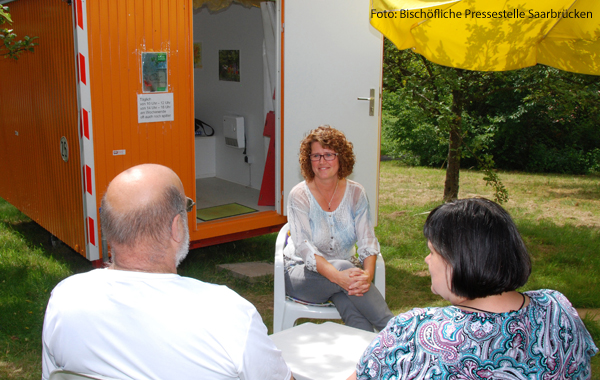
60	374
286	311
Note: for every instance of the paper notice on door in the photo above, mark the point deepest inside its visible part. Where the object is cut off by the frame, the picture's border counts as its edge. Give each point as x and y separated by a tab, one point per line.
155	107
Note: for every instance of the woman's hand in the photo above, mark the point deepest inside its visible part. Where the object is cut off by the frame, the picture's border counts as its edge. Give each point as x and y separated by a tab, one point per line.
345	278
354	280
349	278
362	281
361	284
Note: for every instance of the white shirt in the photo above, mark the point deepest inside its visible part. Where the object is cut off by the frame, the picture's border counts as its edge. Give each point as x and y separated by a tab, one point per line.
135	325
331	235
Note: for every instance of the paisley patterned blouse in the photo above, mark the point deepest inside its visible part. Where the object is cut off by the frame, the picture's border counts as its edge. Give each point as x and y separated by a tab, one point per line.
544	340
331	235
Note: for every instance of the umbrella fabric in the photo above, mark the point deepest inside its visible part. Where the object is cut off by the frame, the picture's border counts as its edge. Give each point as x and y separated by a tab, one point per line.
495	35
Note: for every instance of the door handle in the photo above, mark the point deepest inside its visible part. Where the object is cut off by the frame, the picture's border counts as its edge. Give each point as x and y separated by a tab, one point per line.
371	100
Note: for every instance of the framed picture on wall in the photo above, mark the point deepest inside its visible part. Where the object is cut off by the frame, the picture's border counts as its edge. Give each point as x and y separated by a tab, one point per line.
229	65
197	55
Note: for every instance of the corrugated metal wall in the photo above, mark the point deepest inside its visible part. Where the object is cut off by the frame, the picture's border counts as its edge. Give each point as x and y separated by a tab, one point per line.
38	105
119	31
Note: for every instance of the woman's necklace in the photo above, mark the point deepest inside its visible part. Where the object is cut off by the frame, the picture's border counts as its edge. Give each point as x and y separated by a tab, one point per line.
334	190
490	312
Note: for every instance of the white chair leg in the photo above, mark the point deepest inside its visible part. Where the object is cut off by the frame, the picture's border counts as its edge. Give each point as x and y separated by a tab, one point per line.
277	320
288	320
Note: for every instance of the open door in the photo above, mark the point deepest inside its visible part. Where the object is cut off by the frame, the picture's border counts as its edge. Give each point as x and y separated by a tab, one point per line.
330	56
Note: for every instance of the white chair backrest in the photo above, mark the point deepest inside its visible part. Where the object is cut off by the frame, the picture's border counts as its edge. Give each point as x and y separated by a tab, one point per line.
279	291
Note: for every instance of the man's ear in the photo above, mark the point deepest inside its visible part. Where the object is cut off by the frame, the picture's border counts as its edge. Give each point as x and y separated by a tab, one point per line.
177	229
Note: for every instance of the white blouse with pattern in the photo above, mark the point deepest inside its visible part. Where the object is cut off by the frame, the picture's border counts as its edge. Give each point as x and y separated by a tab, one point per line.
331	235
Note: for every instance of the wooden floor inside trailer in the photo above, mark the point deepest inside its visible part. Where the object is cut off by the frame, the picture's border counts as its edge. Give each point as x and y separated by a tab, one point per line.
215	191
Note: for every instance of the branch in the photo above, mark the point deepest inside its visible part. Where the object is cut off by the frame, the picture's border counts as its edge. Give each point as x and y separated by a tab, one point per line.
491	178
12	49
427	65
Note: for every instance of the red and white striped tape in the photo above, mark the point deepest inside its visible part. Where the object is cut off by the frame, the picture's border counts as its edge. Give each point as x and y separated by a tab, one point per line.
86	135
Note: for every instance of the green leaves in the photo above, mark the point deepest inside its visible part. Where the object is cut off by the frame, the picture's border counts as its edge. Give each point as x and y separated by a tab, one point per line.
537	119
436	105
492	179
4	15
10	47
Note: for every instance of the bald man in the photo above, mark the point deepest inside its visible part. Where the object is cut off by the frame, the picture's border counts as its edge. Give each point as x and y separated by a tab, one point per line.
138	319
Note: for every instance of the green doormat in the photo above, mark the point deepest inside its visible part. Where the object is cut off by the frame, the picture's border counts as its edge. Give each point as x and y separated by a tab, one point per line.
223	211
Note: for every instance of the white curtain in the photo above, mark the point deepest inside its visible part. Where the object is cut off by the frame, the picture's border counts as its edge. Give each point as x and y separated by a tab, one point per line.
269	19
269	26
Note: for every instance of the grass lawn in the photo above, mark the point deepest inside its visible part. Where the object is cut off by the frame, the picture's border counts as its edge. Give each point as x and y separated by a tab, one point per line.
558	216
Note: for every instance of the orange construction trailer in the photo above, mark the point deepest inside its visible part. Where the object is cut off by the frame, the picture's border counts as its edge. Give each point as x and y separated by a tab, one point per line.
220	92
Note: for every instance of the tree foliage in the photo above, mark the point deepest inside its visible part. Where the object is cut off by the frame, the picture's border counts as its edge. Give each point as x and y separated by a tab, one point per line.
432	115
10	47
535	119
551	125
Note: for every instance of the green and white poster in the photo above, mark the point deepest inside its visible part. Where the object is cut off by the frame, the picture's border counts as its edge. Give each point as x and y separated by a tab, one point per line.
154	72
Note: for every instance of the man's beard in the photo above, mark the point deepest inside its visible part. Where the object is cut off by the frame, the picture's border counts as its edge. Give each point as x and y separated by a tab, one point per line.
184	248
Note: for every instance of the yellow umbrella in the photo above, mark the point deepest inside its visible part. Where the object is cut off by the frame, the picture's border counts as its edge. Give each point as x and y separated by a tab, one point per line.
495	35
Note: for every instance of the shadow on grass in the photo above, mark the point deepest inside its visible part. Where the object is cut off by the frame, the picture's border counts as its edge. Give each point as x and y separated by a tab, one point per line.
29	269
578	194
568	186
30	261
407	290
35	236
201	263
565	258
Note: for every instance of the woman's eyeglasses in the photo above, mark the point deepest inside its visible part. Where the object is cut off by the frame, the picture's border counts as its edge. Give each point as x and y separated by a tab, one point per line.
326	156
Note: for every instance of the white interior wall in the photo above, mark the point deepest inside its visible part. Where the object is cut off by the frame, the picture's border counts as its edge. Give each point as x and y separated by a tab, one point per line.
236	28
205	157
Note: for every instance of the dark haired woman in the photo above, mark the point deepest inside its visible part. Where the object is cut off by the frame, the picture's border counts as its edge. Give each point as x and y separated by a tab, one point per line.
328	215
477	261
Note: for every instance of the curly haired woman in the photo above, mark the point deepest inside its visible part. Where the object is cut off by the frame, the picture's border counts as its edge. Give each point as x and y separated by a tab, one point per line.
328	215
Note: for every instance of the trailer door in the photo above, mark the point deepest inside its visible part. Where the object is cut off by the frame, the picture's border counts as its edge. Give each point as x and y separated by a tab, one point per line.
330	56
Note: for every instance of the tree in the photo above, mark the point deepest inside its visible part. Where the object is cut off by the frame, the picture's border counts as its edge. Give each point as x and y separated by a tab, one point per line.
10	47
441	97
536	119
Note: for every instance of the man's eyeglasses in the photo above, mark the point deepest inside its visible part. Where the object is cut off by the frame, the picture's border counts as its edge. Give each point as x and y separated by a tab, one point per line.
189	204
326	156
